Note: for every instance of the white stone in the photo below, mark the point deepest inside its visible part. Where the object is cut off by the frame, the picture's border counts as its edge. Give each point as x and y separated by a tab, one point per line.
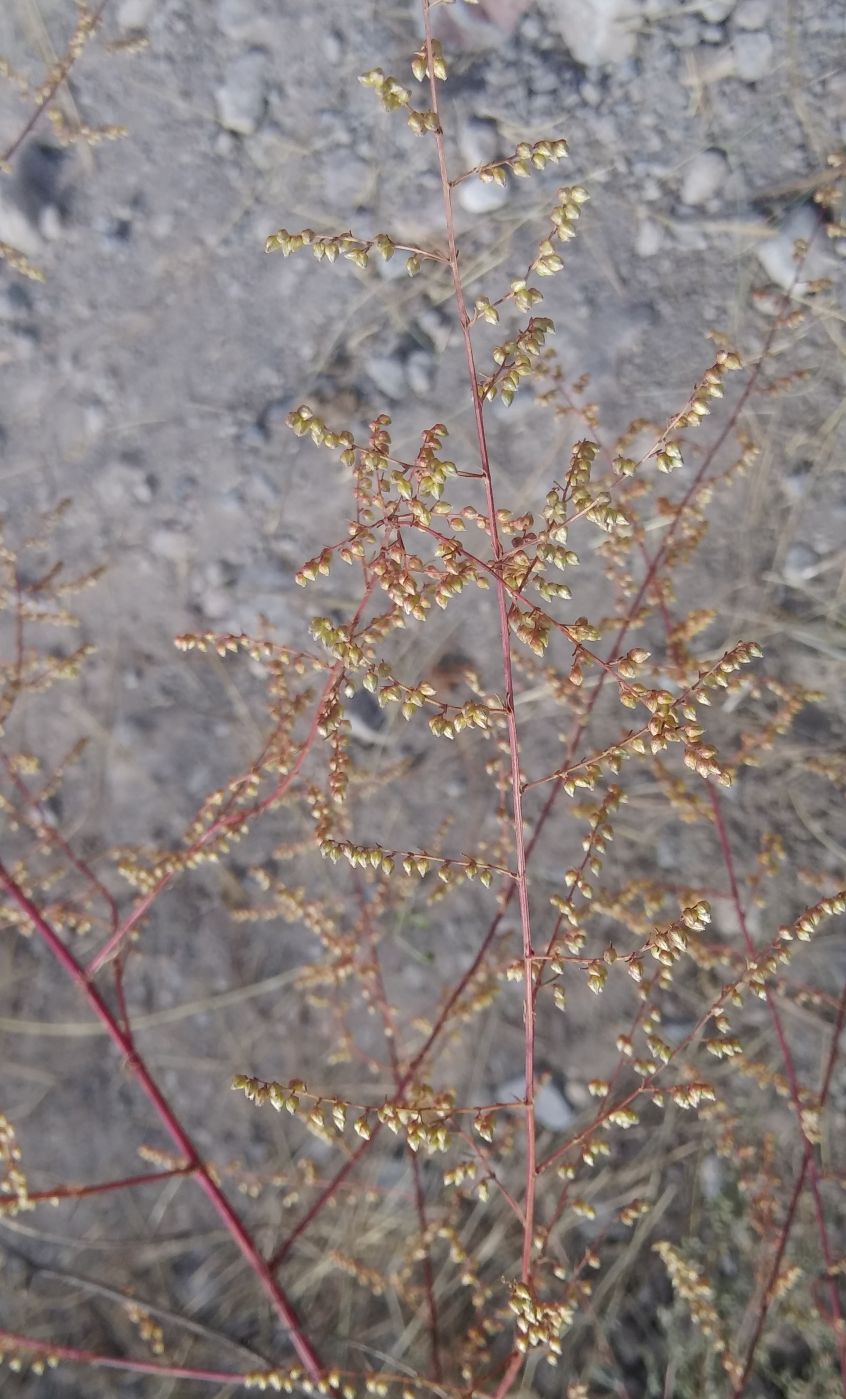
649	239
753	56
388	375
169	543
242	95
479	198
801	563
704	177
776	255
552	1110
134	14
478	141
597	32
752	14
716	11
15	228
239	19
420	370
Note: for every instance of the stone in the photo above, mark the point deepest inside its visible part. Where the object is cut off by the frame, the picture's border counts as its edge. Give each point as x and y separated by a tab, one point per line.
478	141
801	563
437	325
552	1110
366	718
387	373
752	14
344	180
704	177
753	56
776	254
476	197
240	19
420	369
685	33
242	96
711	1176
134	14
649	239
716	11
597	32
171	544
15	227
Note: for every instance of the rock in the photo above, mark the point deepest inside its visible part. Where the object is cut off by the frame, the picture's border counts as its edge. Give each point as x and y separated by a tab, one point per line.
711	1176
477	27
50	224
776	255
242	96
716	11
704	177
134	14
333	47
597	32
366	717
753	56
726	922
420	369
240	19
15	227
170	543
752	14
344	180
476	197
801	563
795	484
685	33
387	373
267	148
552	1110
478	141
649	239
437	325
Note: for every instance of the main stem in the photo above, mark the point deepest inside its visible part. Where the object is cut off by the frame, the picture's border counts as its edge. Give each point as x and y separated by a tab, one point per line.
124	1042
507	668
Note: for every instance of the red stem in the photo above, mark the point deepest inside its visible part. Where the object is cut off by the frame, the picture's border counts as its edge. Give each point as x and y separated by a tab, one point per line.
793	1083
522	883
123	1041
79	1192
10	1341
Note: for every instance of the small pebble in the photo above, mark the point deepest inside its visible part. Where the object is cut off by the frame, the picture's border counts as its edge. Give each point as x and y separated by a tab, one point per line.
366	718
552	1110
388	375
171	544
134	14
685	33
420	369
476	197
752	14
478	141
776	255
704	177
650	238
800	564
242	96
753	56
711	1176
716	11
